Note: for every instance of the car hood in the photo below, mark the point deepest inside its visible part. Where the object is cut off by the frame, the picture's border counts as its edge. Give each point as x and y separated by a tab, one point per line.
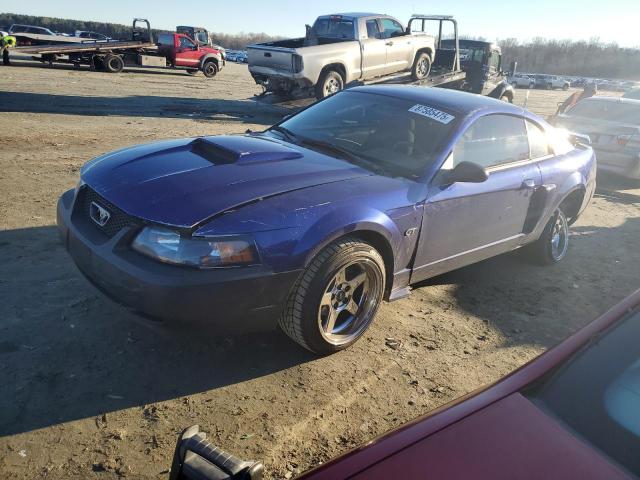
188	181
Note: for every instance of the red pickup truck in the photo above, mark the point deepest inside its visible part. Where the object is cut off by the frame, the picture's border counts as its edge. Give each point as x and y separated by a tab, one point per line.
181	51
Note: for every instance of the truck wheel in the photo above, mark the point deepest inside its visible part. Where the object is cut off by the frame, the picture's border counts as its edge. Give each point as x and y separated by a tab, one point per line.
506	97
553	244
330	82
113	63
210	69
336	298
421	67
565	87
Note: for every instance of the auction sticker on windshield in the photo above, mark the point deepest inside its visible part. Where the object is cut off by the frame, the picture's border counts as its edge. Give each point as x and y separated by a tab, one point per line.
432	113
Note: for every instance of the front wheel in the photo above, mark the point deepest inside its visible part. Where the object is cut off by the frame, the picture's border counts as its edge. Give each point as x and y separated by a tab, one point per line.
336	298
210	69
553	244
421	67
330	82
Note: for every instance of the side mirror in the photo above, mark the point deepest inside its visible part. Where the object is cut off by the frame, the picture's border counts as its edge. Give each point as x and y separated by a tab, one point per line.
467	172
579	139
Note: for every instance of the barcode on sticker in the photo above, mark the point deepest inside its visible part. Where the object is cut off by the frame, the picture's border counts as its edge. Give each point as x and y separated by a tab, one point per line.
432	113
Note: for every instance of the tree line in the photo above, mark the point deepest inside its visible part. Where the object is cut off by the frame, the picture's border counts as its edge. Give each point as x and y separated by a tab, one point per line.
591	58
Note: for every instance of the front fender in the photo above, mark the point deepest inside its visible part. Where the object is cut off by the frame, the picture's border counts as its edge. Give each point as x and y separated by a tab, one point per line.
502	88
338	223
209	56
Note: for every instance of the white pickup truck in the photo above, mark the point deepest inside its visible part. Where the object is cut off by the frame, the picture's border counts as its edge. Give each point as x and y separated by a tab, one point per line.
340	49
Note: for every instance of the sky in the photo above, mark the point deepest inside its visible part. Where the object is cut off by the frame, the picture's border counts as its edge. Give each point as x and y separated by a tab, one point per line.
618	21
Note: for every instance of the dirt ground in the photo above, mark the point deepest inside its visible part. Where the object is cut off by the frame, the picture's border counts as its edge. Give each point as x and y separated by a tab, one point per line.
92	391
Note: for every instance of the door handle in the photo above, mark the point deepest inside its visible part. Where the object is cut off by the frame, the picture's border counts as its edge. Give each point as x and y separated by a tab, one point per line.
528	183
389	43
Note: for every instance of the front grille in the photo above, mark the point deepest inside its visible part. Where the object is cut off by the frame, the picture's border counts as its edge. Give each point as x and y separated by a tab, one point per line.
118	219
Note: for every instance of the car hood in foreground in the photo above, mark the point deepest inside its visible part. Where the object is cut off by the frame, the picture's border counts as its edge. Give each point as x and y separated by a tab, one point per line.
188	181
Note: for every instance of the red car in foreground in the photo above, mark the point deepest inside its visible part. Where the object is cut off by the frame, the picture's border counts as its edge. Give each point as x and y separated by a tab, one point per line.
571	413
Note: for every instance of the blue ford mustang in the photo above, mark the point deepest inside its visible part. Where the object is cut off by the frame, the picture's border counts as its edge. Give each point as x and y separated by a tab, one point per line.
315	221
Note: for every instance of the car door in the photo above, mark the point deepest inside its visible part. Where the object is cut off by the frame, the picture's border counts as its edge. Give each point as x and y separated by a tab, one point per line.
399	46
493	75
374	50
187	53
467	222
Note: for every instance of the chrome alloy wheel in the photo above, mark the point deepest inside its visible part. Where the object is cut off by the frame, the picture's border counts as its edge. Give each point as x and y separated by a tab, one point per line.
559	237
349	302
423	67
332	86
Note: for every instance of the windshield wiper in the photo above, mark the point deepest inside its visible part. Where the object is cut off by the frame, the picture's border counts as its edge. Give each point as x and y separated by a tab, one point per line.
344	154
288	135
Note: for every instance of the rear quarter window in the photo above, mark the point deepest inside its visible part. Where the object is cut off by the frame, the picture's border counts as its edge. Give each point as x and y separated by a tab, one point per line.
334	27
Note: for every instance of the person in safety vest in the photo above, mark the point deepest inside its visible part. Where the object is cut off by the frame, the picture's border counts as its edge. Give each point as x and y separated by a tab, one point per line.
6	42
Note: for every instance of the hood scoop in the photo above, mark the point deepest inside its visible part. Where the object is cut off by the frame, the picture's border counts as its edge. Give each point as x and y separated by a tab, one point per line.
226	150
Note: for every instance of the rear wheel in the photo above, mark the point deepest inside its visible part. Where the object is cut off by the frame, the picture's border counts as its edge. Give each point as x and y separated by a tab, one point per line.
330	82
113	63
336	298
553	244
210	69
421	67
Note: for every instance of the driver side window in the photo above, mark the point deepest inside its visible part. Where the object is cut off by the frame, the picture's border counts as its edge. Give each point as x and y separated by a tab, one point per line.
186	43
490	141
391	28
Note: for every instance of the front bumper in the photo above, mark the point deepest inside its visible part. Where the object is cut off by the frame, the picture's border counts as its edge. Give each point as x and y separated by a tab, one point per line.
622	163
232	299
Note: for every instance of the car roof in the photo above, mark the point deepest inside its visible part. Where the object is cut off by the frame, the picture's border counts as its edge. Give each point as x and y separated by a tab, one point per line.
452	100
354	15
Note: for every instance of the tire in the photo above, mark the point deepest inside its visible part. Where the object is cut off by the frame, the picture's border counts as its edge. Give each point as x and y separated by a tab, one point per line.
192	71
330	83
421	67
349	274
505	97
565	87
210	69
113	63
543	251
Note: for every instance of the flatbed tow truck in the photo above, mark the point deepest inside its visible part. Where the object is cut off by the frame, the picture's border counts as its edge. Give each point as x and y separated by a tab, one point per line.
466	65
172	50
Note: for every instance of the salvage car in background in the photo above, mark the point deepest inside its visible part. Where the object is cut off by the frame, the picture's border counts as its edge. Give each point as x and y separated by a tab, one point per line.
340	49
633	94
520	80
550	82
319	218
613	125
571	413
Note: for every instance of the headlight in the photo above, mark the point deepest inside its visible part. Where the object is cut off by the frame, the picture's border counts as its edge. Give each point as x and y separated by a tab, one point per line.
168	246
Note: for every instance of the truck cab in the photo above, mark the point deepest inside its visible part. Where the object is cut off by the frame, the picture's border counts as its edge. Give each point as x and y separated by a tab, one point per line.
181	51
482	63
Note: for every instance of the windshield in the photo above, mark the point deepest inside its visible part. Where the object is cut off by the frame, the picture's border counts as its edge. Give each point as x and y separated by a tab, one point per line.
387	132
611	111
598	394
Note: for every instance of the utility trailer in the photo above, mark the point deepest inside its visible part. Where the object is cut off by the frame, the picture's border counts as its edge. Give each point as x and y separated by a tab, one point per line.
171	50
